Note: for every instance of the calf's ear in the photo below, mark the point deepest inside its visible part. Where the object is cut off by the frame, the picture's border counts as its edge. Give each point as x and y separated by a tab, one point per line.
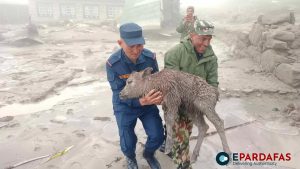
147	71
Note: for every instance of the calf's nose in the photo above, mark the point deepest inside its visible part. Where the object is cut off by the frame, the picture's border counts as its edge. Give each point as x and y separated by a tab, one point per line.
121	95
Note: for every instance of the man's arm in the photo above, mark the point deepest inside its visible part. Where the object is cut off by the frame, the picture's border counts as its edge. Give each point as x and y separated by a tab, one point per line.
153	97
180	28
212	74
155	66
172	58
114	80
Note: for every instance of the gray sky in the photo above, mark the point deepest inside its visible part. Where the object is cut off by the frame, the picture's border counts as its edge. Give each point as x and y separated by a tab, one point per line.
14	1
184	3
207	3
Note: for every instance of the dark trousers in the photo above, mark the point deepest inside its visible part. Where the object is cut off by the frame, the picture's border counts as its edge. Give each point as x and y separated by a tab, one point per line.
152	124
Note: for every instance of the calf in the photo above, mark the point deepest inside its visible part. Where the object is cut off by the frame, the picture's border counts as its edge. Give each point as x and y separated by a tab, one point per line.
180	90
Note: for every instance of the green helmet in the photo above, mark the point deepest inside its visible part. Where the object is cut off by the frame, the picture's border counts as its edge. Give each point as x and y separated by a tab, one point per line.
203	27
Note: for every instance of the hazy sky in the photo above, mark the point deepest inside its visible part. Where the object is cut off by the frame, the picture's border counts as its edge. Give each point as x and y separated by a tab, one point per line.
184	3
207	3
15	1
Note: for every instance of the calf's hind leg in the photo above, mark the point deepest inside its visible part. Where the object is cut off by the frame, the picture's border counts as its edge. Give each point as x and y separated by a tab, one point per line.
202	129
212	116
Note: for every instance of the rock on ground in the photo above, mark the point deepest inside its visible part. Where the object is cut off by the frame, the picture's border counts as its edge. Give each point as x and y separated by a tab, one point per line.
289	73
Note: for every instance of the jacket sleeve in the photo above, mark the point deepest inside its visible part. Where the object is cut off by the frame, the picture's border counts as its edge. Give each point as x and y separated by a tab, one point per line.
114	82
180	28
172	59
212	74
155	66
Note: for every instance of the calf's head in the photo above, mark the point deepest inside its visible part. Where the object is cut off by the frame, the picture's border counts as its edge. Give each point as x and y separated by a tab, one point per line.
135	85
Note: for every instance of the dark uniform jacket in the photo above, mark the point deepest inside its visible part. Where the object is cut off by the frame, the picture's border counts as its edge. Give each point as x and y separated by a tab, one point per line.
118	68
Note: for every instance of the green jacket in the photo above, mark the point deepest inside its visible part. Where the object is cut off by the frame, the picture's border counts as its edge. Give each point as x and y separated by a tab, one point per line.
183	57
185	29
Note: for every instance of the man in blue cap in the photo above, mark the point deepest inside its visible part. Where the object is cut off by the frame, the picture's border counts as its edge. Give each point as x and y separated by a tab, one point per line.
133	57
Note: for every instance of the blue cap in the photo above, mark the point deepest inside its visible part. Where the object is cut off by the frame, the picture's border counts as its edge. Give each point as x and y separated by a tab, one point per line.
132	34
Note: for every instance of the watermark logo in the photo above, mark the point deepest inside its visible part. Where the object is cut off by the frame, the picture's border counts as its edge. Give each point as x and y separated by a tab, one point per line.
222	158
252	159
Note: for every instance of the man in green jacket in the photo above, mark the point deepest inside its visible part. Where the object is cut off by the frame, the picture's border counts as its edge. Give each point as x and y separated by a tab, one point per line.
186	26
194	55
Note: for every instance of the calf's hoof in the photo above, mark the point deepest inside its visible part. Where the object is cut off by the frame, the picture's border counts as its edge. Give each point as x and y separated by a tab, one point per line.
194	158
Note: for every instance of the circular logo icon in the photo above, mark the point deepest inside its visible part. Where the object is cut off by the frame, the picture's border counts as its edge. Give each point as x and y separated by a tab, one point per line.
222	158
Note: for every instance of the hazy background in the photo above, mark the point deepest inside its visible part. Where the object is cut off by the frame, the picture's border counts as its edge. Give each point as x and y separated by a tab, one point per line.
228	11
